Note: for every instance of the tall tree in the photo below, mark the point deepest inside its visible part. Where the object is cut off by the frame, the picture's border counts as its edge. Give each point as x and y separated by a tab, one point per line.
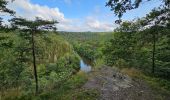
31	28
156	20
121	6
159	17
4	9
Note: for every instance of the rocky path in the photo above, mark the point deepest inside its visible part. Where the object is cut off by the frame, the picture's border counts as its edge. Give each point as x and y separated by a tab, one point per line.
113	85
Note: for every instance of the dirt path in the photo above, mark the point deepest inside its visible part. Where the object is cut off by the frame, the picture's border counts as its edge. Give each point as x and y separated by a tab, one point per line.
113	85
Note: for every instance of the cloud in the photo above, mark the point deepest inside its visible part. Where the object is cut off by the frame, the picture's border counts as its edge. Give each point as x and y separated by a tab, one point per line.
97	25
26	9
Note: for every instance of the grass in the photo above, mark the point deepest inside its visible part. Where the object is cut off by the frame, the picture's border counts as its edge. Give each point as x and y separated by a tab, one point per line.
69	90
14	92
99	63
161	86
81	94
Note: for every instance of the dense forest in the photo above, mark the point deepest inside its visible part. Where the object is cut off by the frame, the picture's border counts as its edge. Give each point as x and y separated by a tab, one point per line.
89	45
38	62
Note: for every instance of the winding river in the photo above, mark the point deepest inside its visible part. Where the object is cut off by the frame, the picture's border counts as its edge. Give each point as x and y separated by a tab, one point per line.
85	66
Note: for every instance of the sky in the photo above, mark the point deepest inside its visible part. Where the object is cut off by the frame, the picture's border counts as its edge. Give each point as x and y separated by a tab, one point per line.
77	15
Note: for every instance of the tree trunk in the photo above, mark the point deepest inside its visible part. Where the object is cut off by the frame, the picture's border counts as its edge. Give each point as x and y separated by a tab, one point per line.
34	62
153	54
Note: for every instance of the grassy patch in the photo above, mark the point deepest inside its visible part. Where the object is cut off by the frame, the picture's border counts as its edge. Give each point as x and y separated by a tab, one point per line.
68	90
71	90
81	94
160	85
99	63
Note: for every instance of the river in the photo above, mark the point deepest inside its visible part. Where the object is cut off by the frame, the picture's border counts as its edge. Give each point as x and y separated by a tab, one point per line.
85	66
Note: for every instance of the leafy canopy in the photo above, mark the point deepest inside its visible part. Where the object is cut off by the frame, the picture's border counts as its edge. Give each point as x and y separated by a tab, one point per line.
121	6
4	9
37	24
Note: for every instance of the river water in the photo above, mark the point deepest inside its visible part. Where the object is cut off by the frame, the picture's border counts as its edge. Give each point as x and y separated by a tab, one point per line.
85	66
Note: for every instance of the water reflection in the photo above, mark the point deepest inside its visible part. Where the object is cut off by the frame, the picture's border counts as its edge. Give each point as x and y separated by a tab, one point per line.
84	66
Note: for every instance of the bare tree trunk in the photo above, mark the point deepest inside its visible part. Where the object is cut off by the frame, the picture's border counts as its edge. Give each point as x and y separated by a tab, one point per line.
34	62
153	54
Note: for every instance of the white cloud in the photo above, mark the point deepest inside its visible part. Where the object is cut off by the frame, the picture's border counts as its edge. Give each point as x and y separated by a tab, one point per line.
97	25
26	9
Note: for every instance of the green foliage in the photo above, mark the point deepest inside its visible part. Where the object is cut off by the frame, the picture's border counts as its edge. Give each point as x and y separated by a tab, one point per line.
87	95
86	51
67	91
3	8
56	62
10	68
160	85
28	31
89	45
119	7
134	46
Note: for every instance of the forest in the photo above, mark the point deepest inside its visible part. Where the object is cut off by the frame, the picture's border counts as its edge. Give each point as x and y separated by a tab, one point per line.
132	62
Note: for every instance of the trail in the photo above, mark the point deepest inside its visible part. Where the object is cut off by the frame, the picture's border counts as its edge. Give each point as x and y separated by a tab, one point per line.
114	85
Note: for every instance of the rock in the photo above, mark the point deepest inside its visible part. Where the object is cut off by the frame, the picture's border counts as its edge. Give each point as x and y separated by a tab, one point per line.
114	85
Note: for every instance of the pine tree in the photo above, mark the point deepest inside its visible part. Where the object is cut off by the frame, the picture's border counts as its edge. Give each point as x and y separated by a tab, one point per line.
4	9
29	30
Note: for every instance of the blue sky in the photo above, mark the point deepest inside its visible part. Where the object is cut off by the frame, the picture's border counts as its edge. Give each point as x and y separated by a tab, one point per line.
77	15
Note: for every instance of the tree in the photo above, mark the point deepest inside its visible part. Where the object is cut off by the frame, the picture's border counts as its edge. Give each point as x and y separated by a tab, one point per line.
157	18
121	6
31	28
4	9
122	44
154	31
7	44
